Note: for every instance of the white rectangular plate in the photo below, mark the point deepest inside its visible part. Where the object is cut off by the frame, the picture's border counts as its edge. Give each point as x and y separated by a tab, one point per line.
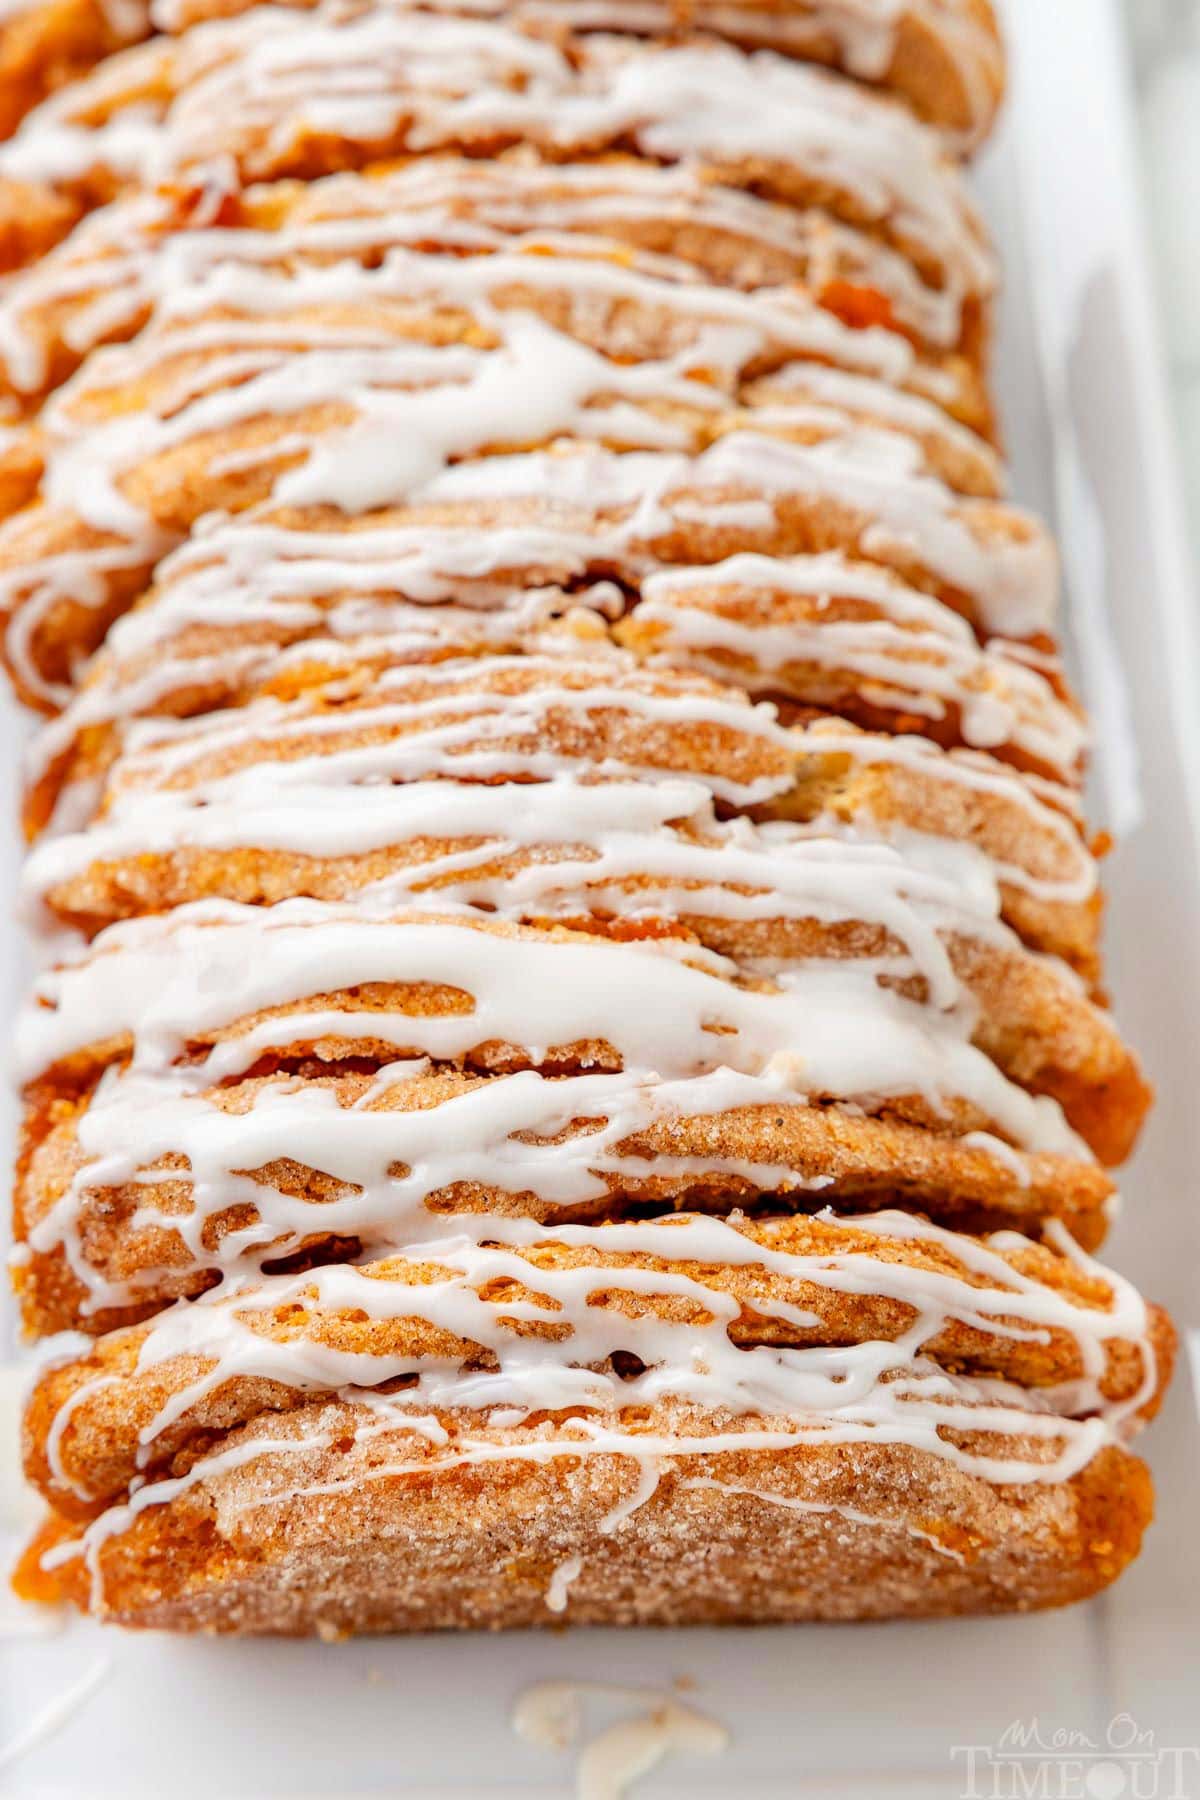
864	1713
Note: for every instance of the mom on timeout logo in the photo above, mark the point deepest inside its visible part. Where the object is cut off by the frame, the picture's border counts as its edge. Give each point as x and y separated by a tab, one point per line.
1031	1762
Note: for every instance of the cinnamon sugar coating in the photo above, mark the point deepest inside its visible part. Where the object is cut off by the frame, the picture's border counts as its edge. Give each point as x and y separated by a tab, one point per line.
921	1541
573	1078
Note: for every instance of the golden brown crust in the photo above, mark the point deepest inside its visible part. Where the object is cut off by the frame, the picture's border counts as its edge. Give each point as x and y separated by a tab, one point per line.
893	1534
47	43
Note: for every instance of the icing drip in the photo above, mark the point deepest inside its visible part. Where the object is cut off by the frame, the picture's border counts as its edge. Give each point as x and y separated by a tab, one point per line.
623	849
851	1514
262	586
165	984
1050	808
878	473
551	1715
863	36
558	1592
473	721
682	1361
254	276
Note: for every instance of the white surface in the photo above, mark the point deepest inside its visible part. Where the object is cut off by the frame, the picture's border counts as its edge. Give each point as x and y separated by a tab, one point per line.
862	1713
1166	39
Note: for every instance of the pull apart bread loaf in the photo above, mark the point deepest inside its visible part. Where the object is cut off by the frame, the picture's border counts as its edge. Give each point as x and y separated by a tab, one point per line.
573	1078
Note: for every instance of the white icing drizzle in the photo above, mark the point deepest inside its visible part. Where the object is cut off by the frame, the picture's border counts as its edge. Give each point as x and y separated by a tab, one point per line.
909	651
732	328
649	1474
757	1398
128	258
141	254
1011	578
816	1508
324	783
249	577
1050	806
696	1044
398	74
164	982
862	35
475	720
550	1714
413	408
583	504
362	465
618	847
147	661
263	355
29	593
802	394
249	810
837	1391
